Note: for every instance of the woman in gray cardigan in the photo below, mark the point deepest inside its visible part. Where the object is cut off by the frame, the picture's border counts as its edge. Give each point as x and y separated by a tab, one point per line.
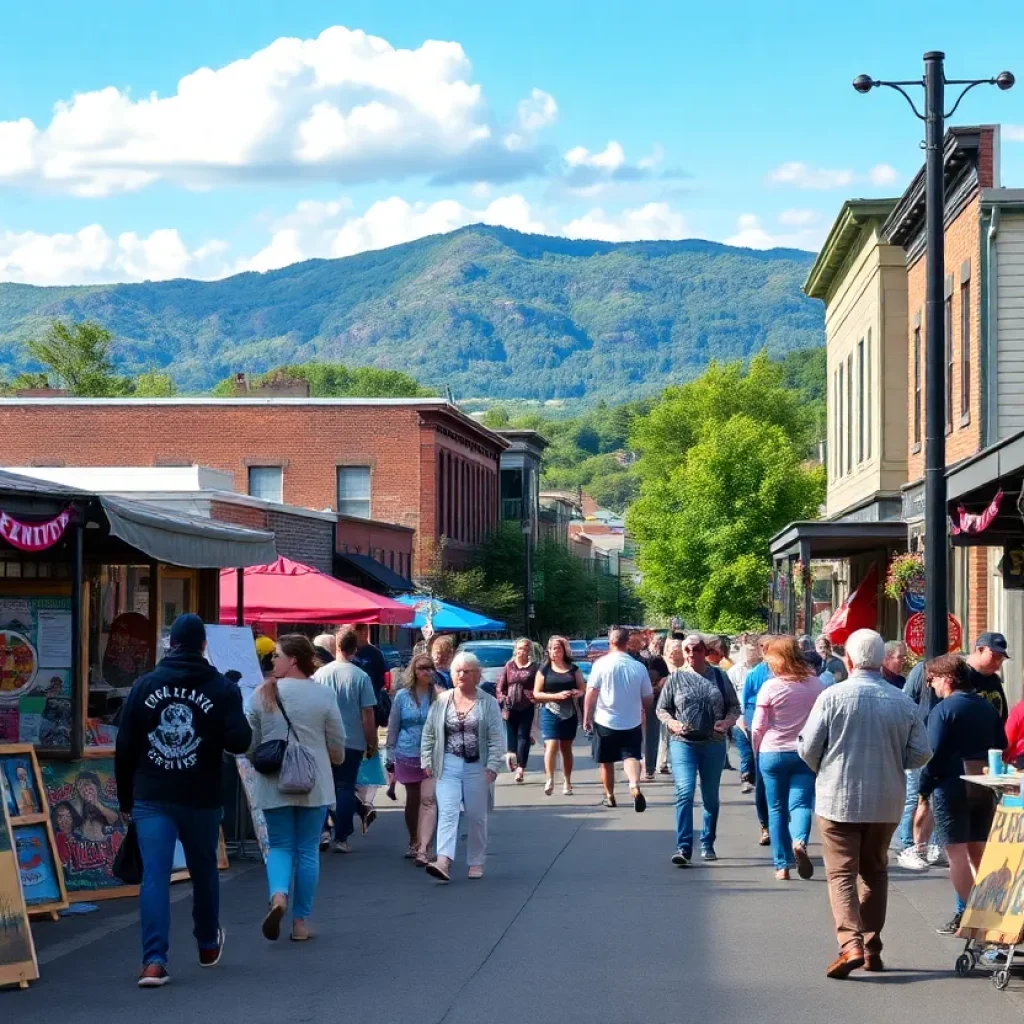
294	820
462	748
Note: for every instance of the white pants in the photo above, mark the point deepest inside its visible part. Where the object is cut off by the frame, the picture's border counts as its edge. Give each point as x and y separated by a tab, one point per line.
462	783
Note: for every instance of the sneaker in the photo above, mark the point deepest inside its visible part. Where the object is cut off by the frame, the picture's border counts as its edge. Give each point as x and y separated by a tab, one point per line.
325	840
766	839
911	859
708	853
936	856
681	858
746	787
951	927
211	957
153	976
342	847
648	776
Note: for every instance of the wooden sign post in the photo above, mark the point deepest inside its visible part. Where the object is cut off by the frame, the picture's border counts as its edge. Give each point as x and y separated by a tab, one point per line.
18	965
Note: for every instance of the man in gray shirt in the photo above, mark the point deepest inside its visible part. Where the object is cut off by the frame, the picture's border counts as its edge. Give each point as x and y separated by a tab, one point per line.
356	702
860	738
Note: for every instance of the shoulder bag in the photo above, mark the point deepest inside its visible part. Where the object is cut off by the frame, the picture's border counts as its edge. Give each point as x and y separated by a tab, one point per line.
293	762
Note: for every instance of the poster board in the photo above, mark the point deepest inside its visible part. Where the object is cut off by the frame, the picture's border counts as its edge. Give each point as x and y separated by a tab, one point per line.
42	876
233	647
18	965
35	671
995	908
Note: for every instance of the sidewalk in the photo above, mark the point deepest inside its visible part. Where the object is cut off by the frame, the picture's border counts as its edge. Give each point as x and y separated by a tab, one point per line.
581	918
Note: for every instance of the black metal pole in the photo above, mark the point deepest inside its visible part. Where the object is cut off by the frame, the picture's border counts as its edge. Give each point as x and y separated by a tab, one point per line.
240	597
528	581
935	530
80	681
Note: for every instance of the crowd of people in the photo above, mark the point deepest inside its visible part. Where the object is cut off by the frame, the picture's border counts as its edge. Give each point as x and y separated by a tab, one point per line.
847	741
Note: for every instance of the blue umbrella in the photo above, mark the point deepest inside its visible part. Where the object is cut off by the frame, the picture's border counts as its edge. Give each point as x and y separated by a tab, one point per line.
447	616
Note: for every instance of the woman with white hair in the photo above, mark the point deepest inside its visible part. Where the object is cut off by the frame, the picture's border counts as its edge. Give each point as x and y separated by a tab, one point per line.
461	749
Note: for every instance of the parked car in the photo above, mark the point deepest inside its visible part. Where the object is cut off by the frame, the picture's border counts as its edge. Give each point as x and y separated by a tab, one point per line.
492	655
597	648
585	668
395	656
578	649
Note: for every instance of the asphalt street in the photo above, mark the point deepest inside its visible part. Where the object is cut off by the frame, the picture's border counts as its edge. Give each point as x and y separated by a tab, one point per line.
581	918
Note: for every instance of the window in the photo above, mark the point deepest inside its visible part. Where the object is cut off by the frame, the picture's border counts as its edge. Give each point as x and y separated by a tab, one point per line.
840	422
965	351
917	385
266	482
870	408
849	413
860	401
354	491
949	363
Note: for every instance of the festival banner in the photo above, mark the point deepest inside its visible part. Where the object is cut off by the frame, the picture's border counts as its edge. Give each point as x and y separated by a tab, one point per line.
33	536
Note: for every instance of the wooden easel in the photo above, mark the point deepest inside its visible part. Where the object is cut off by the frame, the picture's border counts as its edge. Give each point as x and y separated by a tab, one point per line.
40	817
15	930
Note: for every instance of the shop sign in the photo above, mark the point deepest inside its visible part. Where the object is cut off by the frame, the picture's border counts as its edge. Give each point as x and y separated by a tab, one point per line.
1013	567
33	536
913	633
995	908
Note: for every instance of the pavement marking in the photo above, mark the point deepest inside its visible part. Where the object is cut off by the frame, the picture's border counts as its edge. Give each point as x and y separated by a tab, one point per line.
116	924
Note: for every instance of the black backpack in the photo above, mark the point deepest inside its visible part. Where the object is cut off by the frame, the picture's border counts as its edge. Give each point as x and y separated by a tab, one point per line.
382	711
698	713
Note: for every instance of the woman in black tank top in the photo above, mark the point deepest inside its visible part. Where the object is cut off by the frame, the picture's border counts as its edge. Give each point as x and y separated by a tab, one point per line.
559	683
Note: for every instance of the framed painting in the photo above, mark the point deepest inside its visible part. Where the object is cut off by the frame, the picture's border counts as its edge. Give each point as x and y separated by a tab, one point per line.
42	879
21	782
18	965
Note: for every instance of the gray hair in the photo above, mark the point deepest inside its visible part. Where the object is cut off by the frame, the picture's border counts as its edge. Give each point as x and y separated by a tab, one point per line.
467	658
895	647
866	649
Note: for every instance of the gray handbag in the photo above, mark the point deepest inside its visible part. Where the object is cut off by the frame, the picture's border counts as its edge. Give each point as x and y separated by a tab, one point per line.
298	766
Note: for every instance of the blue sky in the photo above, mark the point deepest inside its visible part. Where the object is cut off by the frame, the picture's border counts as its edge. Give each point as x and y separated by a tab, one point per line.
734	122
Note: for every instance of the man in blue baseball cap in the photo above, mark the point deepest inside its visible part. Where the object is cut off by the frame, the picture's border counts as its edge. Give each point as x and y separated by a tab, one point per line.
983	664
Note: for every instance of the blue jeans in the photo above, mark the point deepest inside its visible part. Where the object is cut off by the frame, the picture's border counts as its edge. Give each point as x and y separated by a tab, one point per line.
159	826
789	785
294	837
345	793
748	765
706	759
907	821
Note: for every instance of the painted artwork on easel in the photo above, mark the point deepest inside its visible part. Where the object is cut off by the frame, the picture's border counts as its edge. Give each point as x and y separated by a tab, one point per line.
17	954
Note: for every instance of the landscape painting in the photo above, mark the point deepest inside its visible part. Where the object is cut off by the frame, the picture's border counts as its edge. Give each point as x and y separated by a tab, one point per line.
17	955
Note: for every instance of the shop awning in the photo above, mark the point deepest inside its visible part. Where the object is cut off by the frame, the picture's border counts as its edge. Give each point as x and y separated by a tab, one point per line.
827	538
448	617
180	539
287	591
374	571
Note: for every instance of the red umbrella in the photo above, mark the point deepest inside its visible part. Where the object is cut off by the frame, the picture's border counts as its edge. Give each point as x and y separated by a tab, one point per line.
858	611
287	591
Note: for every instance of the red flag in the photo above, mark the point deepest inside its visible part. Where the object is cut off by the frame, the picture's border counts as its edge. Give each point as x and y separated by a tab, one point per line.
858	611
972	522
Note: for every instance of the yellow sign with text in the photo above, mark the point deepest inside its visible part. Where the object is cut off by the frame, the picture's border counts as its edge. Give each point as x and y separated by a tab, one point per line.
995	909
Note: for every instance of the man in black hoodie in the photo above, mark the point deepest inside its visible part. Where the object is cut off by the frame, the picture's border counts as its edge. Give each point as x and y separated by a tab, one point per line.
177	722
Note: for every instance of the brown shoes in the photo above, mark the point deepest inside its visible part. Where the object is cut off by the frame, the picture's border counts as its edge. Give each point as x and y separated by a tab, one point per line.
847	962
873	962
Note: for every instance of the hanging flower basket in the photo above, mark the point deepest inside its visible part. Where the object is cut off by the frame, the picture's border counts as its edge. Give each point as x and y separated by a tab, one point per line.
906	572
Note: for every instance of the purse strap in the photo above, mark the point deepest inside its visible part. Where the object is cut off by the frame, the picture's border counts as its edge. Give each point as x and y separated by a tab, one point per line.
280	704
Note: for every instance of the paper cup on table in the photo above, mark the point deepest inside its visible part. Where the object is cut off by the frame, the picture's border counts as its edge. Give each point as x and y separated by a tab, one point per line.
995	762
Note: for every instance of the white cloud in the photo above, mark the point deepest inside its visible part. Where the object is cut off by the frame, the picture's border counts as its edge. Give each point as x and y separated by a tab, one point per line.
344	106
751	234
653	222
92	256
801	175
611	158
537	111
587	174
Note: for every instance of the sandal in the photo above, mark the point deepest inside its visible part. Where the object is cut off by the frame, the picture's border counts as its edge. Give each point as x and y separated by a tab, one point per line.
549	787
272	922
422	860
608	801
412	852
368	820
436	871
476	871
566	789
520	777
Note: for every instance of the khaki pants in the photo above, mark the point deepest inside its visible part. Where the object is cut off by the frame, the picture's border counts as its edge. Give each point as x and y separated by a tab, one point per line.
856	865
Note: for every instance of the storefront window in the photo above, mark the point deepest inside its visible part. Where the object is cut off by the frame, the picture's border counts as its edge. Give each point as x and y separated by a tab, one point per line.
121	645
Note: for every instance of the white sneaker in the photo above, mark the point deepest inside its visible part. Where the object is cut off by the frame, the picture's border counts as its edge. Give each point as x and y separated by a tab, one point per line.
911	860
511	761
747	787
936	856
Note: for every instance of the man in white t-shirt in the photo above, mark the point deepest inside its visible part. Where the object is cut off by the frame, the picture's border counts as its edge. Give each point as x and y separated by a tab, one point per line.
618	693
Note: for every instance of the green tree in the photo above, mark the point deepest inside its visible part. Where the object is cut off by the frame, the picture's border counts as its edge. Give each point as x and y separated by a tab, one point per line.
79	357
497	418
154	385
335	380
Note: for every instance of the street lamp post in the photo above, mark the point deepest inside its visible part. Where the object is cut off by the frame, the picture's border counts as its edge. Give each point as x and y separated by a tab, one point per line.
934	84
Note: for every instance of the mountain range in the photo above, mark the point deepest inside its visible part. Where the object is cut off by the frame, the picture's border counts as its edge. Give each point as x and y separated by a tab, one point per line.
489	312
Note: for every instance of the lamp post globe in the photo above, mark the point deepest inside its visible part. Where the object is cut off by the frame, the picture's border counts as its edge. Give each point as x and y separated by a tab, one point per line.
1005	80
865	83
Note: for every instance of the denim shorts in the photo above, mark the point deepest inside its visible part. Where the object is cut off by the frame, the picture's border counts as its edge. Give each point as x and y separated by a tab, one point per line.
960	818
552	727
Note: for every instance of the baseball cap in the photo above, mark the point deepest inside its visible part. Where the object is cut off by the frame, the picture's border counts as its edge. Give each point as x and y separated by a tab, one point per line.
994	642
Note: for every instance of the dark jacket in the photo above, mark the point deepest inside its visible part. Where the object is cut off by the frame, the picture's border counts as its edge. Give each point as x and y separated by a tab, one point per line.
176	724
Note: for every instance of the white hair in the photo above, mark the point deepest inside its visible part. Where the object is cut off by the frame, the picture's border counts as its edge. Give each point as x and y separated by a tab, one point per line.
866	649
467	658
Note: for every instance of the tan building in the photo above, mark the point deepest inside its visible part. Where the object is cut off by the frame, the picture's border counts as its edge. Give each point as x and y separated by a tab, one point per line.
863	282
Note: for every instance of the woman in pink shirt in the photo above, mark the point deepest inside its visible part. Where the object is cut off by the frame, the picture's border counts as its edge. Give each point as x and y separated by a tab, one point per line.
783	706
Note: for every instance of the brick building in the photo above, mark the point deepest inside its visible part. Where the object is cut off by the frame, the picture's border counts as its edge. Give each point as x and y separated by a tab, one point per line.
419	463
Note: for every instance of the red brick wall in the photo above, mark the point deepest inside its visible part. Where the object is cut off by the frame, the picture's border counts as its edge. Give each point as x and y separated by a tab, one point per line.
977	587
310	541
963	242
398	443
388	544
